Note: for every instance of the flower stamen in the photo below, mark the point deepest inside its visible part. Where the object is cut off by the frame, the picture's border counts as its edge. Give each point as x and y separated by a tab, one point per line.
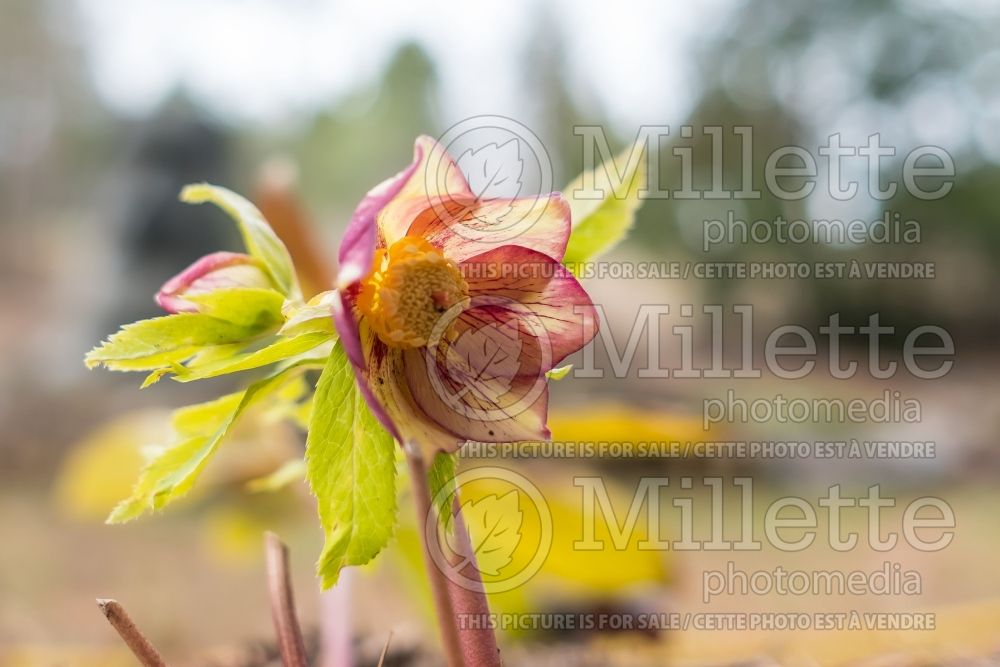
411	284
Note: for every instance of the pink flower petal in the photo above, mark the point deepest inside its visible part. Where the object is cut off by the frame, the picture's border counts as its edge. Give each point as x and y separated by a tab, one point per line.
432	414
490	407
488	329
357	247
386	376
350	338
208	273
466	227
380	216
486	380
385	213
556	308
436	178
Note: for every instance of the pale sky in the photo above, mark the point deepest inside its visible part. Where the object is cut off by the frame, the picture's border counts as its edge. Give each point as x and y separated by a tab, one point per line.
267	60
274	60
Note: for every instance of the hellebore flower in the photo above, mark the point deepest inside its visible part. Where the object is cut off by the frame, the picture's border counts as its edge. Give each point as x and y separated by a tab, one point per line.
219	270
452	308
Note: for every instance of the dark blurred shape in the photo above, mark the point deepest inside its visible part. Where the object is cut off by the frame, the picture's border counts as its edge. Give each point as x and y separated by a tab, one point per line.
159	235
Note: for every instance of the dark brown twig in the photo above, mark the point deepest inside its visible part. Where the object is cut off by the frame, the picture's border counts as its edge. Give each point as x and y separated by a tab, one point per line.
286	623
130	634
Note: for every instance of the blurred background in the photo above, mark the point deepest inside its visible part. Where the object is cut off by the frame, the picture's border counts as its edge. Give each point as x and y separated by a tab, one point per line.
108	108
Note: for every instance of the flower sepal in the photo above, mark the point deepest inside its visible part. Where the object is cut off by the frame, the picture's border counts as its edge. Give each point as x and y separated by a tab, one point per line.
230	286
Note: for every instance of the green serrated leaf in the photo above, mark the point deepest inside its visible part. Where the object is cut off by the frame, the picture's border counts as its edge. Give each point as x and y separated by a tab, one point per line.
559	373
283	348
160	342
441	480
154	377
204	417
163	479
247	306
601	224
171	473
350	468
152	362
260	240
214	354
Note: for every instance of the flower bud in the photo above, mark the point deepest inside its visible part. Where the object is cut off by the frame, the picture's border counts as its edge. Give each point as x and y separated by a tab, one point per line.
220	270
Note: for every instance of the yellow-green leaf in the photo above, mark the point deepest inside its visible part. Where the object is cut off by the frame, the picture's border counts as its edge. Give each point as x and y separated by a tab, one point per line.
248	306
204	417
163	341
283	348
599	224
211	355
171	473
441	479
351	470
559	373
100	469
260	240
313	317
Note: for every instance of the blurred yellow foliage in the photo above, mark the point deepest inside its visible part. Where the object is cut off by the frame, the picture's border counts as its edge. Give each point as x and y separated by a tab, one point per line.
100	470
567	576
232	533
617	422
78	656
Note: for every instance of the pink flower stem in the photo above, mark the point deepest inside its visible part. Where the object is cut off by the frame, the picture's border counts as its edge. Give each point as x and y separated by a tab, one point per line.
477	637
335	628
447	620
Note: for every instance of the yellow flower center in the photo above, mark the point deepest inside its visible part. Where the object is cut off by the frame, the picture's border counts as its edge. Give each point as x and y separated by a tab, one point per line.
411	285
